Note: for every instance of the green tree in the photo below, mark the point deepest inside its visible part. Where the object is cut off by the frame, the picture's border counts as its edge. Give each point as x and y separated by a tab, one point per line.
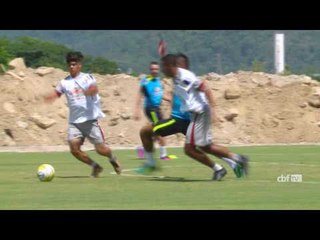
5	56
238	48
287	70
100	65
38	53
258	66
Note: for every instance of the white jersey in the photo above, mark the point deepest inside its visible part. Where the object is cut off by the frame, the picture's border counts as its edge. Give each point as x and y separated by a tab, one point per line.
81	108
186	86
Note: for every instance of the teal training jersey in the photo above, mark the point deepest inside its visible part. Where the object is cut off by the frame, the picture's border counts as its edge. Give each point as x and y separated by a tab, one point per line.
176	112
152	90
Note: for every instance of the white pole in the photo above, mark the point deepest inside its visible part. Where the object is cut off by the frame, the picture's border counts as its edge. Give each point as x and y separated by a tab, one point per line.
279	52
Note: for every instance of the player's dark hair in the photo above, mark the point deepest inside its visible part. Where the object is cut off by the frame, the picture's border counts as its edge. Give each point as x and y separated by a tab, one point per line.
184	58
170	59
154	63
74	57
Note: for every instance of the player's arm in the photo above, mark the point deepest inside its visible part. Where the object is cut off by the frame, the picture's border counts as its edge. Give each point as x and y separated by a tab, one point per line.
91	91
51	97
137	109
167	97
92	88
204	87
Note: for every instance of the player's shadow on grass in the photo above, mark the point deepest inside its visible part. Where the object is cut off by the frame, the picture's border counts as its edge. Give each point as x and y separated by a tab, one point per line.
178	179
73	177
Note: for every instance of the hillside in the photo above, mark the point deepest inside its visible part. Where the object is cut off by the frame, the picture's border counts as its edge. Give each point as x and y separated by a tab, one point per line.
254	107
220	51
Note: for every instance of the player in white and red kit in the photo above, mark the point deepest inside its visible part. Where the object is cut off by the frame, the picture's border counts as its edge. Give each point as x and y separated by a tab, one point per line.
83	100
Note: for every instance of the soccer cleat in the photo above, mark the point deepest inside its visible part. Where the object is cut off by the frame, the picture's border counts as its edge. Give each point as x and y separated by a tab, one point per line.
218	175
244	162
238	170
145	169
116	166
165	158
96	170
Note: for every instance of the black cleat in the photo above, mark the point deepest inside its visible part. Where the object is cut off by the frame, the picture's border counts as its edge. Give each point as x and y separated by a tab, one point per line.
218	175
116	165
96	170
244	162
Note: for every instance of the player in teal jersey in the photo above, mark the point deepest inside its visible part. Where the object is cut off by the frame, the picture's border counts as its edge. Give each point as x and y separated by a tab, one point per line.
151	90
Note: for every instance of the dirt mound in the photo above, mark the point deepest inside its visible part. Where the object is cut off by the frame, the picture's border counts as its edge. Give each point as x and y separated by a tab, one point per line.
254	107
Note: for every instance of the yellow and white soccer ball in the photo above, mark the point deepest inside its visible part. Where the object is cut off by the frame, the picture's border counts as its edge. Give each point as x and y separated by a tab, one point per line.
45	172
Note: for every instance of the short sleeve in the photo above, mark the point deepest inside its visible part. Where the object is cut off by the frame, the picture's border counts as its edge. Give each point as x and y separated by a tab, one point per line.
191	81
91	80
196	83
143	81
60	88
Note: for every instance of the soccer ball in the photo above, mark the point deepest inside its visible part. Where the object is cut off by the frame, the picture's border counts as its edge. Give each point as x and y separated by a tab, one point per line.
45	172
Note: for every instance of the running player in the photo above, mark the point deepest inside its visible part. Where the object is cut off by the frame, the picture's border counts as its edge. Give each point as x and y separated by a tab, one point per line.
179	122
196	98
83	99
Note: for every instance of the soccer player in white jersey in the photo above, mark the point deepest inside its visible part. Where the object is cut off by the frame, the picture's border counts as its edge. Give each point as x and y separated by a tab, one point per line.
83	100
196	98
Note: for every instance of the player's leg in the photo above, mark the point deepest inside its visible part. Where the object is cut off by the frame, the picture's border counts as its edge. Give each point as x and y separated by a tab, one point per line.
163	150
198	134
233	160
164	127
75	149
156	116
194	153
95	134
104	150
146	136
75	139
167	127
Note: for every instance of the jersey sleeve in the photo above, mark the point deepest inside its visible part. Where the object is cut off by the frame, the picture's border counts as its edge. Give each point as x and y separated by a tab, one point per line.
142	82
196	82
190	81
142	86
91	81
59	88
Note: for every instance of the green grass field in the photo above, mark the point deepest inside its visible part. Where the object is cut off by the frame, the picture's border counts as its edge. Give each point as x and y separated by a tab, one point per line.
185	184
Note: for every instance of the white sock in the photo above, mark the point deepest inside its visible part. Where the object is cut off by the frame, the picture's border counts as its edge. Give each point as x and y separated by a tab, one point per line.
149	159
217	167
163	151
230	162
236	157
